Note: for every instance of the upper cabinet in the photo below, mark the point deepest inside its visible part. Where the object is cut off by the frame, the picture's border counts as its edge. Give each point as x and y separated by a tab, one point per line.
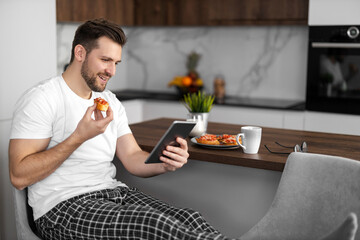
172	13
118	11
258	12
186	12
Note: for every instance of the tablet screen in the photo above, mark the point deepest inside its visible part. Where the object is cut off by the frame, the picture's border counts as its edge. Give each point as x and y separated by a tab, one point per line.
177	129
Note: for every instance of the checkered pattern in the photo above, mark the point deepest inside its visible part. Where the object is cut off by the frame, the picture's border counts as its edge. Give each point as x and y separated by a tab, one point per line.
122	213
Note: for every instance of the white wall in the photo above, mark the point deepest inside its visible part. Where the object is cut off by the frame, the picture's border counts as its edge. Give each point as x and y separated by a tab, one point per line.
334	12
255	61
28	55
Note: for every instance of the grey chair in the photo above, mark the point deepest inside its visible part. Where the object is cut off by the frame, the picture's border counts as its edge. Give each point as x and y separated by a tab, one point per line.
315	195
25	226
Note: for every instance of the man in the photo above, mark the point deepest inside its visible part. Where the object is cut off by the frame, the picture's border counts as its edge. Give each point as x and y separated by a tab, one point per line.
62	148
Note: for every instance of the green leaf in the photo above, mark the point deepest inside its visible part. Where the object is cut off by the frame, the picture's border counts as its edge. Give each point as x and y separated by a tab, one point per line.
198	102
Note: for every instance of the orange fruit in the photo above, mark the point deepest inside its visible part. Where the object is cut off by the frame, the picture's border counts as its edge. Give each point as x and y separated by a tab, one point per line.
186	81
199	82
177	81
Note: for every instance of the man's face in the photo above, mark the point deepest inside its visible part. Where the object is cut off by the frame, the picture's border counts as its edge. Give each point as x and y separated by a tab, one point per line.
100	64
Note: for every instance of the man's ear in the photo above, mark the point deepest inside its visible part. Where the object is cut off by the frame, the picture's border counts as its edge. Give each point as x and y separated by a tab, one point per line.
80	53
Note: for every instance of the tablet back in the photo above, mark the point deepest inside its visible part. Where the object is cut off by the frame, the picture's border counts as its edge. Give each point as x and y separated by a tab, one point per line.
177	129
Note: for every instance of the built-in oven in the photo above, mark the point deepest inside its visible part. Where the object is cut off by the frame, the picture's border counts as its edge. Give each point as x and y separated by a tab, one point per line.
333	73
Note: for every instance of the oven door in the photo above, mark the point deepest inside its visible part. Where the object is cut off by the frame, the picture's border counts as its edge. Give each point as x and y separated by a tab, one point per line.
333	78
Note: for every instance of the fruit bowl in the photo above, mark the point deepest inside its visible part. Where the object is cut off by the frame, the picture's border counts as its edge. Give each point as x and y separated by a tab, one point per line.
185	90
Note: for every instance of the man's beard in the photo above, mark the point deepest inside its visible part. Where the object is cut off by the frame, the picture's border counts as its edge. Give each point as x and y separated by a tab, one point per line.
90	80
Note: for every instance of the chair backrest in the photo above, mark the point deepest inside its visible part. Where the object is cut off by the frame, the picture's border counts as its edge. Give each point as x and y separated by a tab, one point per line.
315	194
25	225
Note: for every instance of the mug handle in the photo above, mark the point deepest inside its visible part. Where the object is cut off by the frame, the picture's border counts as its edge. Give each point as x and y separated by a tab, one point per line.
242	135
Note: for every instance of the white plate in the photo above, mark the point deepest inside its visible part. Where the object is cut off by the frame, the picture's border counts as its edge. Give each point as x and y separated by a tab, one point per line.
193	140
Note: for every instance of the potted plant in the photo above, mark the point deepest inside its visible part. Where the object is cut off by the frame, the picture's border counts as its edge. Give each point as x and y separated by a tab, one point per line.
199	105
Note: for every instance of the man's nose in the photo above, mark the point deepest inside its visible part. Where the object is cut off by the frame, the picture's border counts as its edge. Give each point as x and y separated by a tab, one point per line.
111	69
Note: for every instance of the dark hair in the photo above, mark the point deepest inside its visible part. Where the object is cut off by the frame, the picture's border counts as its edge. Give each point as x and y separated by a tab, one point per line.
89	32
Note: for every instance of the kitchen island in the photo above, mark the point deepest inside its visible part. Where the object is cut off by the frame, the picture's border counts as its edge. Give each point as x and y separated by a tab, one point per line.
148	133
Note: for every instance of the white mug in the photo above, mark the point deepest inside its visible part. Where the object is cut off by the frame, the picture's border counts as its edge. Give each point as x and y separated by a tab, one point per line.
251	138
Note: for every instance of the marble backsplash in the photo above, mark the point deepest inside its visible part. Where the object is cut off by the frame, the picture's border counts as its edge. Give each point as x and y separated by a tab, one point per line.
256	61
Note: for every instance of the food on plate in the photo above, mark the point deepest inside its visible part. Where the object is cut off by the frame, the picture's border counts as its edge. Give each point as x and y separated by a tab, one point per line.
227	139
101	104
211	139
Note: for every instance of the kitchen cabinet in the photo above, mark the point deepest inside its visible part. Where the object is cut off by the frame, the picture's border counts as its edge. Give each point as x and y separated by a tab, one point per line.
332	122
157	109
134	110
140	110
246	116
293	120
118	11
133	12
186	12
171	12
220	12
258	12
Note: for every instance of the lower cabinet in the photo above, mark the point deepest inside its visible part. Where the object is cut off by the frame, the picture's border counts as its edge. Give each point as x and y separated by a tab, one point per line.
247	116
158	109
332	123
134	110
141	110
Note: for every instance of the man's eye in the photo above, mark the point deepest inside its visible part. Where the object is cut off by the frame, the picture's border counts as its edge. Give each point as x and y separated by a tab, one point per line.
105	60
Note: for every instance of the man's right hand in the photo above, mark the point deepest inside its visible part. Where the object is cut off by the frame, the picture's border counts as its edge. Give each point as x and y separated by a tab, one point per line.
88	127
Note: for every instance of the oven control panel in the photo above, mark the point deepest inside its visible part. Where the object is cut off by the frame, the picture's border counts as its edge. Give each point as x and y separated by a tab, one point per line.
353	32
334	34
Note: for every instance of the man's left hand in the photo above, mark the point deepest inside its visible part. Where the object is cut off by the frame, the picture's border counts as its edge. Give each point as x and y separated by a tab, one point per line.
175	157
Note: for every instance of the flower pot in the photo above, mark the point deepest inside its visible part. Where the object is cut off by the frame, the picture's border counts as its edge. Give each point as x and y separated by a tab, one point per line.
201	118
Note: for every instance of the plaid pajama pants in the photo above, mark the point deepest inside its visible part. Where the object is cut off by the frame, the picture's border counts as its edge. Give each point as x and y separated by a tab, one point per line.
122	213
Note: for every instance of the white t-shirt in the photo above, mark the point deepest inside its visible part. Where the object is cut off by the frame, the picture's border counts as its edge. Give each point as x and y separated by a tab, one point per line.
52	110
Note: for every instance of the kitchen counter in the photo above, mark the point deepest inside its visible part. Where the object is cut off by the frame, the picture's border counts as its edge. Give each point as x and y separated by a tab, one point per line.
148	134
228	101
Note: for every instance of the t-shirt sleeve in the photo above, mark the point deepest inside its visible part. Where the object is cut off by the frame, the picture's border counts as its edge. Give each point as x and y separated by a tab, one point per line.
32	117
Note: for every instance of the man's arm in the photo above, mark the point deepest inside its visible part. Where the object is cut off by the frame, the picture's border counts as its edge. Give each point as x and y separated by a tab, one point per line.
30	162
133	158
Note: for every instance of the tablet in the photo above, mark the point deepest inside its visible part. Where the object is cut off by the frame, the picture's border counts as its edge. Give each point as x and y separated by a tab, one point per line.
177	129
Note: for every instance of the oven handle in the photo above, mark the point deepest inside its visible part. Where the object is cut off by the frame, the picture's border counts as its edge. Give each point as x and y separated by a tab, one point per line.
334	45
